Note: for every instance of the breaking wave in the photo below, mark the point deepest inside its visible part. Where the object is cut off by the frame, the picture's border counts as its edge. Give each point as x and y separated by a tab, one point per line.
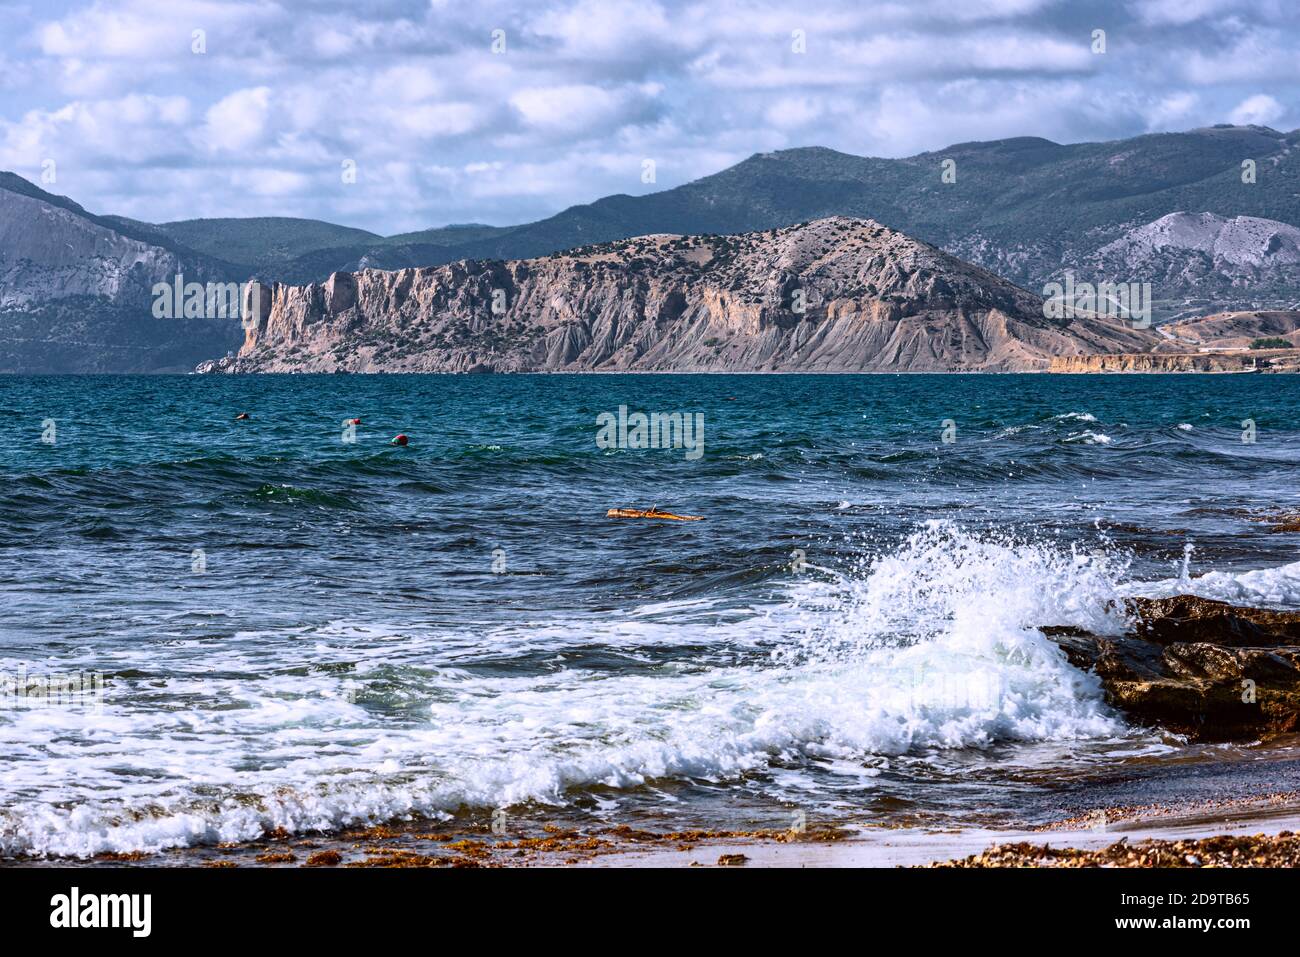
932	647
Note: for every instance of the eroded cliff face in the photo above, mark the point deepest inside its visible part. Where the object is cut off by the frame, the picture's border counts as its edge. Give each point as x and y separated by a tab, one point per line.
47	252
1252	361
76	293
835	295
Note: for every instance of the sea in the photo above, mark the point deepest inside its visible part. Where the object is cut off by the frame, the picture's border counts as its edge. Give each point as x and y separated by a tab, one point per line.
215	627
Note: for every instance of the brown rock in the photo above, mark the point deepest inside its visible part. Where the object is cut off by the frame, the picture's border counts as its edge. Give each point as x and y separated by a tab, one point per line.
1203	668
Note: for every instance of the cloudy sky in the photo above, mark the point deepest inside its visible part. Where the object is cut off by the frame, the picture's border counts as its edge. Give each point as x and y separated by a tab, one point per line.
443	128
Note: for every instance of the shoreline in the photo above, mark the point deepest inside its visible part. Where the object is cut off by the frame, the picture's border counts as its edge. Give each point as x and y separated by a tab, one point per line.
923	847
1267	822
714	372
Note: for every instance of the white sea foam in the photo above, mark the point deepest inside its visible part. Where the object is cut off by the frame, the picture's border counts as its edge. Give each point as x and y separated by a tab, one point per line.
1089	437
1278	587
934	646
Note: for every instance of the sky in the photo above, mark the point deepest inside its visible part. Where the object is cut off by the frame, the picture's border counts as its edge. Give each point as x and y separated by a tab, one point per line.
392	116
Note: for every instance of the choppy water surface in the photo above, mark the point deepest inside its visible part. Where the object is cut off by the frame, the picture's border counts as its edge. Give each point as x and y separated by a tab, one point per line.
299	631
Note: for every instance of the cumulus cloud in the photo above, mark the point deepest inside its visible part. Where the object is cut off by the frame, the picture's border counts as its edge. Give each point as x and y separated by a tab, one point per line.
238	122
444	127
575	108
610	29
137	130
1170	112
1260	110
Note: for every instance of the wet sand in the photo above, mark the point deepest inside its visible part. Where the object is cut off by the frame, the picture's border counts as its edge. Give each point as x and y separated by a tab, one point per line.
1270	822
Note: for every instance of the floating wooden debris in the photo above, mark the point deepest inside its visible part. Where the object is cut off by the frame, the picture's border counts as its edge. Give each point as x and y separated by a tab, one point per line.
651	513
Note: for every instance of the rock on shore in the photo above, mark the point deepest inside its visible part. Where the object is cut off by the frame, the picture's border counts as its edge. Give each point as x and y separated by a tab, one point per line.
1256	850
1202	668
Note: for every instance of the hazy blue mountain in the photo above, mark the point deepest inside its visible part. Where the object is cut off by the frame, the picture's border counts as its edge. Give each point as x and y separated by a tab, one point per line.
264	241
76	290
1025	208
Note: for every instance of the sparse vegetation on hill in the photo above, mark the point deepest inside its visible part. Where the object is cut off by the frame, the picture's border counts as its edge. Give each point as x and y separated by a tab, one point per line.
870	298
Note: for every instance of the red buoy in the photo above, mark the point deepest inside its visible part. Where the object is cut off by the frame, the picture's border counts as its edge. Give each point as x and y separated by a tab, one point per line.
399	439
354	421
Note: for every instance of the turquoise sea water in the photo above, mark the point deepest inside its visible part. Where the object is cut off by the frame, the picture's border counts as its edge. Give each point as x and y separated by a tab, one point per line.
295	629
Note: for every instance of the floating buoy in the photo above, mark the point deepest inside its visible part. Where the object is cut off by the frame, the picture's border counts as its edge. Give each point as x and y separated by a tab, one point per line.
354	421
652	512
242	416
398	439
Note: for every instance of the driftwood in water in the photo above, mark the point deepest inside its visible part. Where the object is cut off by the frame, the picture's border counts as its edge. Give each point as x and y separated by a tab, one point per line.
651	513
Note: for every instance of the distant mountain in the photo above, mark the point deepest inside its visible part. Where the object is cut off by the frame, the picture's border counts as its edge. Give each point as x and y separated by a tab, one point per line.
75	291
301	250
453	235
1239	330
1026	208
263	242
835	295
1238	259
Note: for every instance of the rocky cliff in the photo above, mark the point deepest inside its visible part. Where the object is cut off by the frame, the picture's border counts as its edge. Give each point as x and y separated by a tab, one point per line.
76	291
1248	361
1209	257
835	295
47	252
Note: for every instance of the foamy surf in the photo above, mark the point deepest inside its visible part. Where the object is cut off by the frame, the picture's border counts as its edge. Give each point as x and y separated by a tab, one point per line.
933	647
1264	587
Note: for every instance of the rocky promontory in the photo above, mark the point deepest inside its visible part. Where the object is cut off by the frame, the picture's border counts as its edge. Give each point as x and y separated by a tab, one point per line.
834	295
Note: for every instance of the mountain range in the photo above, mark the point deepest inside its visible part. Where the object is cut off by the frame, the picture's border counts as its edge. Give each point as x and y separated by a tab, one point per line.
1177	210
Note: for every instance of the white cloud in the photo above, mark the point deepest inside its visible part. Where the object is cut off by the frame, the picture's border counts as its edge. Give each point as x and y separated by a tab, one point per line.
1256	56
578	107
1259	110
270	181
790	112
406	83
128	131
1177	12
443	129
985	50
1171	111
604	29
101	32
239	121
437	119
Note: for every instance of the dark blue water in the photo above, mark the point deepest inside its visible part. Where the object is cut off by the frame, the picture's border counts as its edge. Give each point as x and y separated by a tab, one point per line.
298	630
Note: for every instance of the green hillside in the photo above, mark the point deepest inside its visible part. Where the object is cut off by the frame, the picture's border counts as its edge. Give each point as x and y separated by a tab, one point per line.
263	242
